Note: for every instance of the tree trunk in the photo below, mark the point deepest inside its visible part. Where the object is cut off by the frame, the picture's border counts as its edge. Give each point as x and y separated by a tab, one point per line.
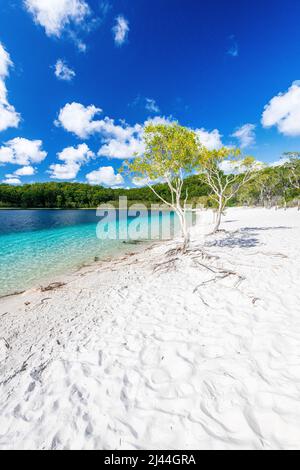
219	217
184	229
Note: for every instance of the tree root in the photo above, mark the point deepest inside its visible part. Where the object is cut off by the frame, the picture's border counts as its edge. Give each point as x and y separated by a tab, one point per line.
165	266
53	286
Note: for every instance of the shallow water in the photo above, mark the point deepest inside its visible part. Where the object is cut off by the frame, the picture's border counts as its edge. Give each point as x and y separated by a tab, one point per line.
36	245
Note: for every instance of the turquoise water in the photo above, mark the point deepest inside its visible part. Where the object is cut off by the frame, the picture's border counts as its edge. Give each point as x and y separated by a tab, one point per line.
36	246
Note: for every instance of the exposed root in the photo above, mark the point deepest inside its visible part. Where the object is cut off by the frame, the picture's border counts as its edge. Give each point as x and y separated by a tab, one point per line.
5	342
275	255
165	266
53	286
23	368
223	275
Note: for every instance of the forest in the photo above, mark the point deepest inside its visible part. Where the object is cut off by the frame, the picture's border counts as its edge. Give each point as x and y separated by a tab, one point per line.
272	186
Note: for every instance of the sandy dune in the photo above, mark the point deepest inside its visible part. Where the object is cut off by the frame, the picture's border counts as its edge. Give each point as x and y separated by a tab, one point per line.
139	353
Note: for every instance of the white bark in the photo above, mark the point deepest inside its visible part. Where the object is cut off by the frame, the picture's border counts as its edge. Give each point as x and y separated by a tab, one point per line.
176	191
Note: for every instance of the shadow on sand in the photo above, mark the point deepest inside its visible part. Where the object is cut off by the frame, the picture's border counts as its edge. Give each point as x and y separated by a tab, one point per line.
243	238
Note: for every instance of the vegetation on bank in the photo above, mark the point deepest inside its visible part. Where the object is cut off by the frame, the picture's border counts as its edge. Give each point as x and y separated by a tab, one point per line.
191	172
271	186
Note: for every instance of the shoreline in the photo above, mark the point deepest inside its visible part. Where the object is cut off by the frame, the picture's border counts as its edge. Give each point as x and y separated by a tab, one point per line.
66	276
210	340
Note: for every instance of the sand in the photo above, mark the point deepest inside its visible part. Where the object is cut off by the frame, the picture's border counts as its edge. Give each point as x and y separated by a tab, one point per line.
157	350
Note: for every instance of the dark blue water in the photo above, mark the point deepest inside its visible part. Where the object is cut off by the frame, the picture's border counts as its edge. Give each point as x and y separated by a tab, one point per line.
32	220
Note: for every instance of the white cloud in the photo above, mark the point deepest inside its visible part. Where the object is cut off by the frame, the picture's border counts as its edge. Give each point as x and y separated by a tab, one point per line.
160	120
152	106
118	140
140	182
280	162
57	16
12	181
63	71
8	115
25	171
73	158
211	140
149	104
122	142
121	30
105	176
122	150
79	120
20	151
283	111
246	135
5	62
233	49
237	167
125	141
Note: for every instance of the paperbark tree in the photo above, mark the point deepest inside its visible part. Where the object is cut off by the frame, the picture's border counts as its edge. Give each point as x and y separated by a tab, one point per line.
171	153
293	166
226	171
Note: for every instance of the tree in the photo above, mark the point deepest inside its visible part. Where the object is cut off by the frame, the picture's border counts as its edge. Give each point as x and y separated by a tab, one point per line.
293	165
226	171
171	153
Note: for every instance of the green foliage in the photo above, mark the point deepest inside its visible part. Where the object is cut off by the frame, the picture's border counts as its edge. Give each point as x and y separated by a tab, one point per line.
80	196
170	152
272	185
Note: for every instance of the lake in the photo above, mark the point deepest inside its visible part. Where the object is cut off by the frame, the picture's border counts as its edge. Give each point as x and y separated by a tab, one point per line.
37	245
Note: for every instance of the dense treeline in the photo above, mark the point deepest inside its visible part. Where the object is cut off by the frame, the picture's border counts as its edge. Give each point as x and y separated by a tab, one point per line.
271	186
78	195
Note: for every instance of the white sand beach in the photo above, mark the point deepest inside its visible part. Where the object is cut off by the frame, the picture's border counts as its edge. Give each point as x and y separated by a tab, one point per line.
159	350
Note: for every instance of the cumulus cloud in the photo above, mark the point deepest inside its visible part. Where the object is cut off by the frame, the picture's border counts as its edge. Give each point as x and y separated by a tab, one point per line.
245	135
119	140
122	149
283	112
125	141
237	167
72	159
79	120
5	62
14	178
140	182
12	181
282	161
63	71
59	16
105	176
20	151
120	30
211	140
123	145
8	115
25	171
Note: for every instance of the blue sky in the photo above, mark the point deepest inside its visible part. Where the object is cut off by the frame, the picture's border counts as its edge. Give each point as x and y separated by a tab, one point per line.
226	68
